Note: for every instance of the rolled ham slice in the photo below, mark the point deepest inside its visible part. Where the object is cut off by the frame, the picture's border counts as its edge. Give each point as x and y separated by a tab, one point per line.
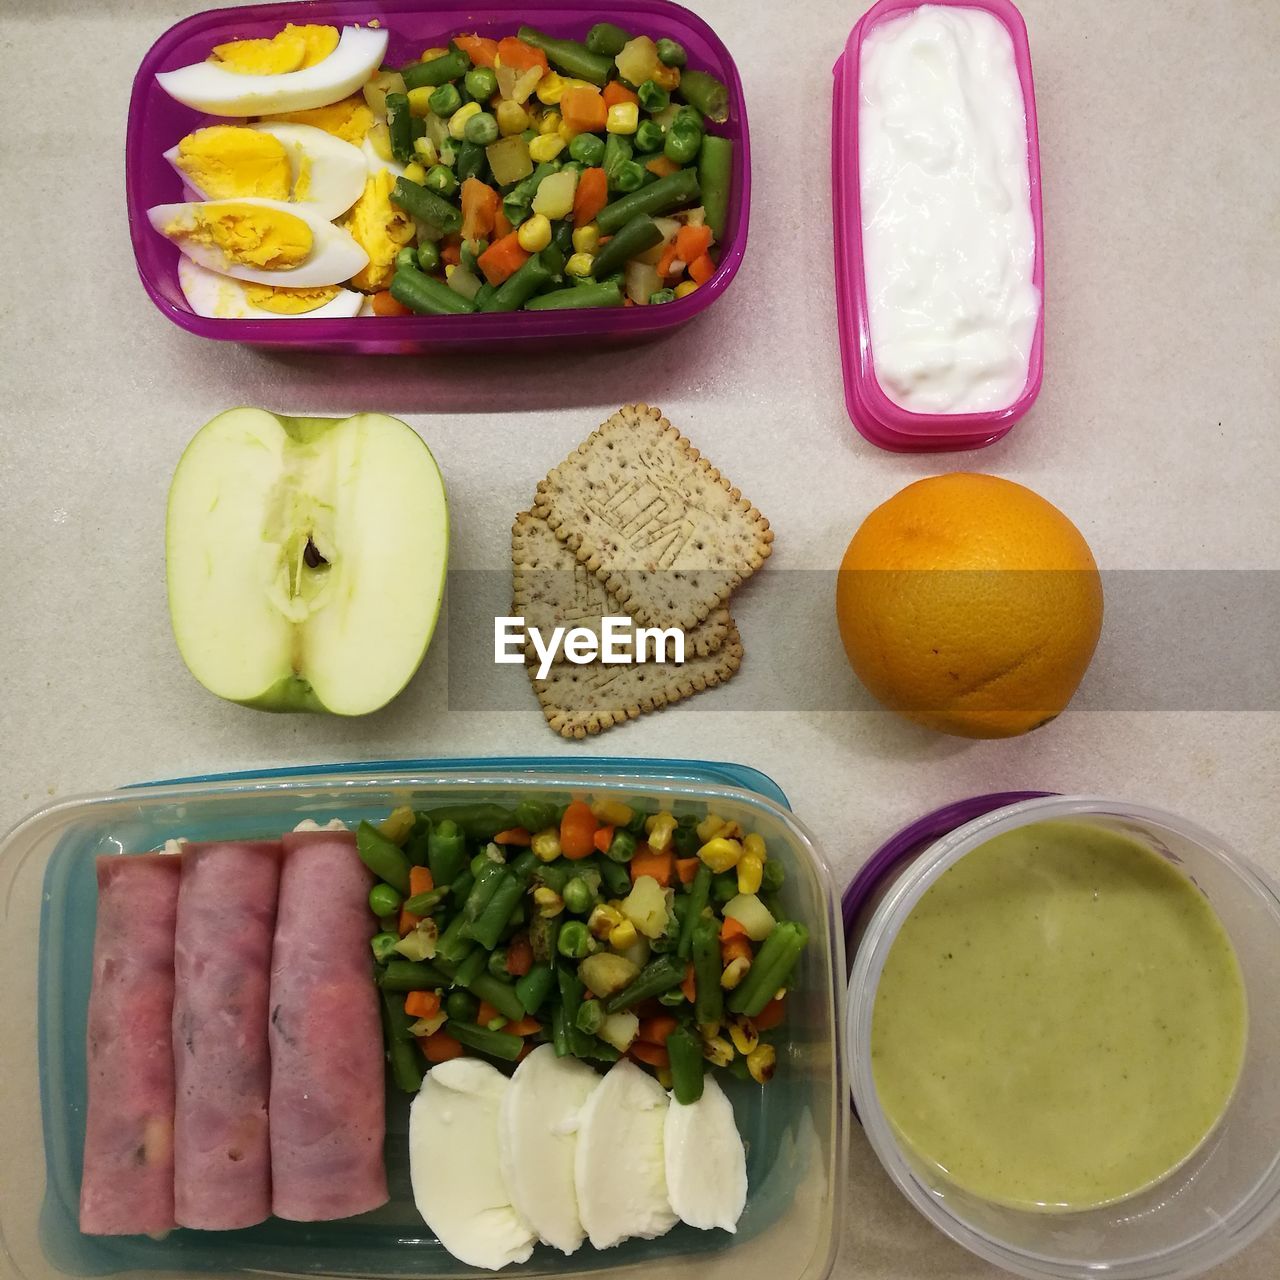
222	1062
327	1087
127	1186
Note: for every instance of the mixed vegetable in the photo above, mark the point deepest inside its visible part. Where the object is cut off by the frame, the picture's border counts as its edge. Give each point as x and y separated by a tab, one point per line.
544	174
599	927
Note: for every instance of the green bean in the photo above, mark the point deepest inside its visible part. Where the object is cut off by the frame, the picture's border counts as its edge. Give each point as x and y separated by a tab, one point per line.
577	296
397	1022
415	844
656	977
444	101
470	968
671	53
672	999
661	296
411	975
770	969
453	946
685	837
681	146
515	204
653	97
575	941
544	933
637	235
384	945
519	287
471	162
400	127
598	1051
673	192
493	1044
607	38
715	168
773	876
481	83
384	900
569	56
622	848
588	149
423	904
699	895
617	148
724	888
555	874
386	860
427	205
470	252
502	995
508	889
446	853
648	136
706	94
537	815
709	1003
616	876
402	1053
481	129
571	990
684	1050
560	1031
590	1016
478	821
461	1005
449	66
486	884
534	987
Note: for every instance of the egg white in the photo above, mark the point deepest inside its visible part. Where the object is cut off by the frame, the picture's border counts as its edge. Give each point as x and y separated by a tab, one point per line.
210	293
211	88
335	256
375	162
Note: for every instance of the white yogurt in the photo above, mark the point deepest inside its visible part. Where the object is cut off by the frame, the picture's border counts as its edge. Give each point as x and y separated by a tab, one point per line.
948	243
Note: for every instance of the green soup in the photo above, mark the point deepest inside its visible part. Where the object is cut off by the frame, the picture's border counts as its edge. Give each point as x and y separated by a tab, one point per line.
1061	1021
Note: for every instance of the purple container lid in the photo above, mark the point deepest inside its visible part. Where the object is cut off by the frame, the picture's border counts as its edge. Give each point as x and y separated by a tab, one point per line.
156	122
877	417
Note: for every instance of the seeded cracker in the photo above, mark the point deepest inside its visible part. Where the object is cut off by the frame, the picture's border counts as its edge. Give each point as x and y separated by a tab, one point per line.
653	520
581	701
552	589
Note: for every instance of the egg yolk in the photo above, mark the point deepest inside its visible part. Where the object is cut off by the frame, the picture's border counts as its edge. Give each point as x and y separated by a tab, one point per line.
292	49
290	302
380	229
225	161
349	119
248	235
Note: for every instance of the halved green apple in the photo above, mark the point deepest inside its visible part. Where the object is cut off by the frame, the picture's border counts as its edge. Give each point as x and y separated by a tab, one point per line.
306	559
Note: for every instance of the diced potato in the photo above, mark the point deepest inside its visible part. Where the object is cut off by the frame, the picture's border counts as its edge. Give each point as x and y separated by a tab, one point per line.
509	160
668	227
554	197
464	281
606	973
419	943
637	953
751	914
642	281
378	86
397	824
619	1030
638	60
516	86
646	907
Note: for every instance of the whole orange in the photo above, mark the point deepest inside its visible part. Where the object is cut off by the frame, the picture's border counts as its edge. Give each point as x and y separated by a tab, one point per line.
969	604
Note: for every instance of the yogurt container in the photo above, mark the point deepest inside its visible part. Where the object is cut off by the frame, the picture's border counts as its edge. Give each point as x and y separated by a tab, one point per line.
945	383
1208	1208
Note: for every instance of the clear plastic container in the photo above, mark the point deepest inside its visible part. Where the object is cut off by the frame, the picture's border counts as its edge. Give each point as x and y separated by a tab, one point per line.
877	417
1226	1195
156	122
794	1128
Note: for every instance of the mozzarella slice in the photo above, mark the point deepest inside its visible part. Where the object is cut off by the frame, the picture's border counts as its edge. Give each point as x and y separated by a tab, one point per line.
537	1139
706	1165
619	1169
453	1163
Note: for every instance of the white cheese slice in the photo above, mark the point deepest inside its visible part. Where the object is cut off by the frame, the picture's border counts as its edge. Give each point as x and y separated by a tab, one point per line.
706	1165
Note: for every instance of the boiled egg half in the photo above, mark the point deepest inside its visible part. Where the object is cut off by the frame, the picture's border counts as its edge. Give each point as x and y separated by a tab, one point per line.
210	293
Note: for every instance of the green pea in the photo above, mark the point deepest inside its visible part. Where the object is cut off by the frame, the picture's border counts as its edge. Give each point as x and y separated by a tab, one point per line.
383	899
671	53
689	118
574	941
577	896
588	149
681	146
429	256
662	295
482	83
622	847
772	876
653	97
383	944
407	257
445	100
481	129
440	180
629	176
648	136
461	1006
497	964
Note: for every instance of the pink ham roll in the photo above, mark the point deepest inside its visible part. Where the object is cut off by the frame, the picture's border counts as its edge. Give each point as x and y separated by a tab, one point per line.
222	1065
327	1103
127	1187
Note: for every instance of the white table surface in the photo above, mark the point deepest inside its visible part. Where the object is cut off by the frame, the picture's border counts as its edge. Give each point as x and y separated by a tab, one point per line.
1156	431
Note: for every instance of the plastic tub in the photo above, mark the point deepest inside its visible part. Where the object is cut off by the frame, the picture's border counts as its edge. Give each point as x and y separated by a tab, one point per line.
795	1128
1226	1195
877	417
156	122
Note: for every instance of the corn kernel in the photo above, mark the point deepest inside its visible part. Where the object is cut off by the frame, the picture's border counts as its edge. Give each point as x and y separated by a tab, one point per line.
550	122
426	152
546	845
660	827
685	288
611	812
550	87
545	147
761	1062
719	854
548	901
717	1051
567	131
449	270
458	121
734	972
534	234
709	826
420	100
743	1033
511	118
754	844
623	936
603	920
415	172
587	240
624	117
730	831
430	55
750	873
380	137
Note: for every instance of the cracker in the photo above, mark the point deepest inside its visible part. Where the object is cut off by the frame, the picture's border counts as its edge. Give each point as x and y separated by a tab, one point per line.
582	701
648	515
552	588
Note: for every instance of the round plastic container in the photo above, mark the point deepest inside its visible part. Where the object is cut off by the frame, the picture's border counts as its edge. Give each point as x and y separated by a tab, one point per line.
1226	1195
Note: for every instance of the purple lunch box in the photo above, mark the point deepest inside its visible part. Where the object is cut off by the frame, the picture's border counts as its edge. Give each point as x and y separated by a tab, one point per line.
156	122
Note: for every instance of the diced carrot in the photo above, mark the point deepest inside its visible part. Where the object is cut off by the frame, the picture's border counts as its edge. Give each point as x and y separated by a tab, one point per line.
502	259
501	224
590	196
734	949
486	1014
451	250
583	109
525	1027
662	166
666	263
656	1030
479	204
689	985
651	1008
482	51
647	863
420	881
686	869
577	831
513	52
385	305
653	1055
408	922
771	1015
629	301
440	1047
702	269
603	839
513	835
525	1050
615	92
519	955
421	1004
693	242
731	929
